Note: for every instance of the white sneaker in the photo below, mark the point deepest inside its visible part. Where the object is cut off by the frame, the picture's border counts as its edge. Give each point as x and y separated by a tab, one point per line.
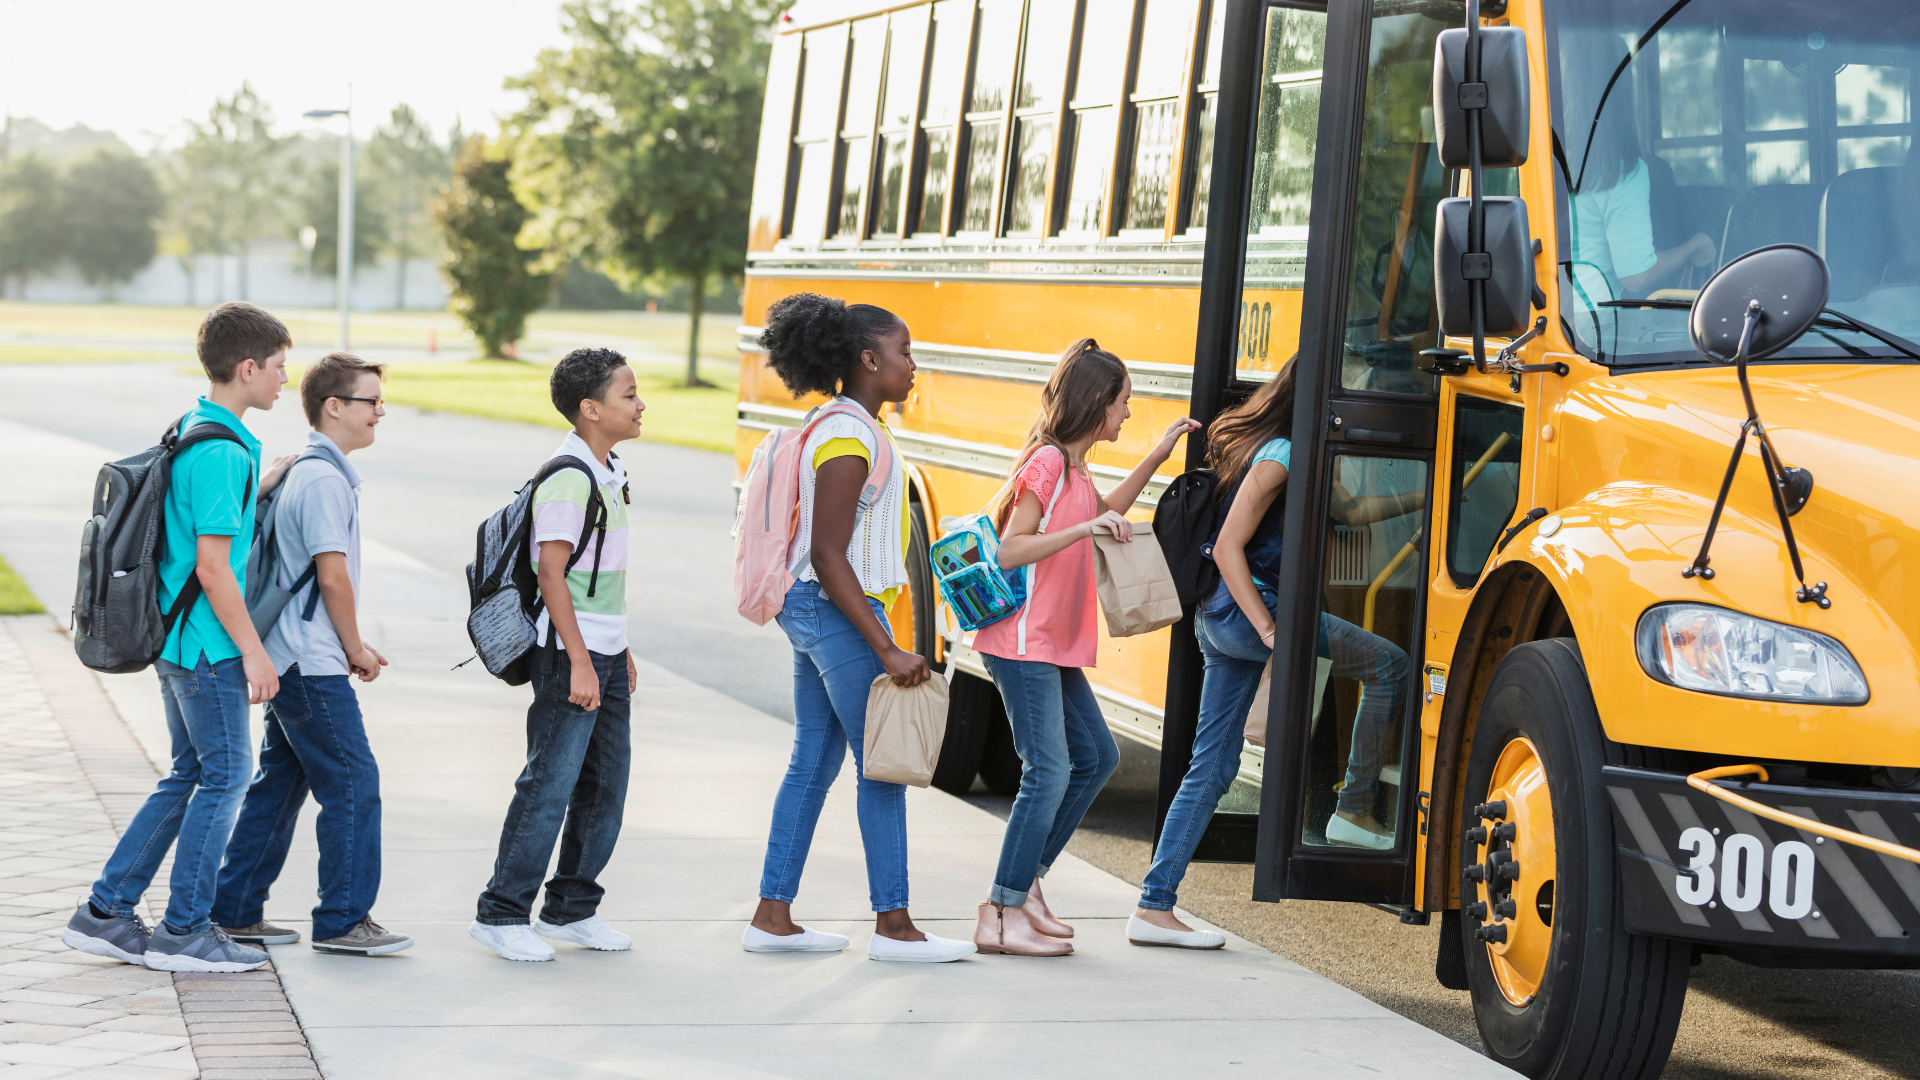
758	940
1142	932
515	942
1342	831
590	932
934	950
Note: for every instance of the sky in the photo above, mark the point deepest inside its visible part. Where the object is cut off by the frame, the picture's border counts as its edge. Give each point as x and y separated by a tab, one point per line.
140	68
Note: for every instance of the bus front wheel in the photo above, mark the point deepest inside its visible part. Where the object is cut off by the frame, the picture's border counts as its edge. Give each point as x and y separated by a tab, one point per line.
1560	989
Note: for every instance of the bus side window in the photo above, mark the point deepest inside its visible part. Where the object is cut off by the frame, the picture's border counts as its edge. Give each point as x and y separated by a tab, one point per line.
1042	83
900	103
1483	484
946	73
988	96
852	191
1161	82
1104	35
816	128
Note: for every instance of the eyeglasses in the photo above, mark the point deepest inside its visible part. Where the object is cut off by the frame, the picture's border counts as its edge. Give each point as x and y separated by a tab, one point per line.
376	402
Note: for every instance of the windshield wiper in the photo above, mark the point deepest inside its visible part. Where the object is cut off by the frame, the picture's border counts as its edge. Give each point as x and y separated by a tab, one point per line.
1829	317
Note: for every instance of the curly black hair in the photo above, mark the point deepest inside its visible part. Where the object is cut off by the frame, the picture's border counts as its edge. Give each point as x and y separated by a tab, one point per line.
813	341
582	374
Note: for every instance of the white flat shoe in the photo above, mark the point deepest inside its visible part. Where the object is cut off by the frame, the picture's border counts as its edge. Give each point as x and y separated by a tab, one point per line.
934	950
1342	831
1142	932
758	940
515	942
590	932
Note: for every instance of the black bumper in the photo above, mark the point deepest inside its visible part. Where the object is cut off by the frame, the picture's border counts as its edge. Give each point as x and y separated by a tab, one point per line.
1861	906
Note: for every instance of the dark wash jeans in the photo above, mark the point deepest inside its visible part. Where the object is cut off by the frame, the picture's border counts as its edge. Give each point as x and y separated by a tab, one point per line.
316	741
577	764
195	802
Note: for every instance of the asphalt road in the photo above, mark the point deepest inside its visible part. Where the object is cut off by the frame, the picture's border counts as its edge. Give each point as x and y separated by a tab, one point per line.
432	477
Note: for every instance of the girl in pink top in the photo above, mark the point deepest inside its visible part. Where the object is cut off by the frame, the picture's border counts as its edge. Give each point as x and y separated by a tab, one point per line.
1036	655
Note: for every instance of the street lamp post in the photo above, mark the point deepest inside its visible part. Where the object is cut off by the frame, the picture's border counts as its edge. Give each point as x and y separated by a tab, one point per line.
345	224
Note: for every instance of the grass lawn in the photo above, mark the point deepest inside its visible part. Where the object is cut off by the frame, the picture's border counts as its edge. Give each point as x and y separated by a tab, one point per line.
15	599
517	390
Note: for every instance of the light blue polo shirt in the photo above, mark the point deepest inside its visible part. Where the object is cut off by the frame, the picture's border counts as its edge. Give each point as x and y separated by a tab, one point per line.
207	496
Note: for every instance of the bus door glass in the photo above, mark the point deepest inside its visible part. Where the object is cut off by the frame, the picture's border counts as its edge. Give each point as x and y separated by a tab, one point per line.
1339	801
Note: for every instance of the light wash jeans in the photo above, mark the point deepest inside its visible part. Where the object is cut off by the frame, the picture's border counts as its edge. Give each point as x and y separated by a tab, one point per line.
1235	656
1066	755
195	802
833	668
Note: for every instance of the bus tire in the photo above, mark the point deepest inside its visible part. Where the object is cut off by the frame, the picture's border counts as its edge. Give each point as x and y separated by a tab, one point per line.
1561	991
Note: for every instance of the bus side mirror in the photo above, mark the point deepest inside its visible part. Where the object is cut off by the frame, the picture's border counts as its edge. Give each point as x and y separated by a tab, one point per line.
1507	266
1501	97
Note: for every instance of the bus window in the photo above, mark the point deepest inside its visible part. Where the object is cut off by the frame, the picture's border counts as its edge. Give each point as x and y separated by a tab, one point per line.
993	57
1371	580
1282	188
1043	73
1483	486
1199	163
1160	85
815	131
900	101
856	131
1104	36
952	29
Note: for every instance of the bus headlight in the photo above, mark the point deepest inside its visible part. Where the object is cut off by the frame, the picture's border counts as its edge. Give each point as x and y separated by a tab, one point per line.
1717	651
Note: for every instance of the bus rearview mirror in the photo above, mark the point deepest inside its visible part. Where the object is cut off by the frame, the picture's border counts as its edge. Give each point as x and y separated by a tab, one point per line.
1508	266
1501	94
1787	286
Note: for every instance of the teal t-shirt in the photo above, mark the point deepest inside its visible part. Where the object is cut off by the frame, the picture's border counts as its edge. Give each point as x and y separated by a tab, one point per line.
1276	449
207	496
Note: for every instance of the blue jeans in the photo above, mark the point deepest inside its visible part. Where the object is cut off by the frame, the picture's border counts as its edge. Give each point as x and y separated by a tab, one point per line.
195	803
833	667
576	776
1066	755
1234	657
315	741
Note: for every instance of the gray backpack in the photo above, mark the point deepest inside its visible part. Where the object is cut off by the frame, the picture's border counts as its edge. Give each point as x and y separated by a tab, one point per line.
265	597
118	626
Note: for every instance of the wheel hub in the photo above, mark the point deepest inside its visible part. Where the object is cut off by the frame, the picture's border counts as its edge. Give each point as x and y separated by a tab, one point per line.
1513	872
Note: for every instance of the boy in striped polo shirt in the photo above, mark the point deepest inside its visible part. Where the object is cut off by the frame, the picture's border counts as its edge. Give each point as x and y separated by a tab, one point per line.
578	746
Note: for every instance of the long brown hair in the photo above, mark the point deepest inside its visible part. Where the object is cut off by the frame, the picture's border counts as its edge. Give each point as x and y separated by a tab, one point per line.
1239	433
1084	385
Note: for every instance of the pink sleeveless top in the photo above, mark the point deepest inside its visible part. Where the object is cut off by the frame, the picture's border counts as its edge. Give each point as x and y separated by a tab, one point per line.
1062	615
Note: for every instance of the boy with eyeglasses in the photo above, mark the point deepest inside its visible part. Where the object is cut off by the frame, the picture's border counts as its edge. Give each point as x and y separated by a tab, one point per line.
315	738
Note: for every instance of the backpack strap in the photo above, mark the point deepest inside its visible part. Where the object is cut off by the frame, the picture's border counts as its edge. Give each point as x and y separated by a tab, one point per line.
596	504
177	442
881	472
1045	517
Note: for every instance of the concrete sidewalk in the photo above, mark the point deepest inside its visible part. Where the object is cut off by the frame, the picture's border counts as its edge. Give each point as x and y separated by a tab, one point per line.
687	1002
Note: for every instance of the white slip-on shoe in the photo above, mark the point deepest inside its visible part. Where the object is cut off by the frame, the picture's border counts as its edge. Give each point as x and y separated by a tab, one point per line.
1142	932
516	941
758	940
1342	831
934	950
590	932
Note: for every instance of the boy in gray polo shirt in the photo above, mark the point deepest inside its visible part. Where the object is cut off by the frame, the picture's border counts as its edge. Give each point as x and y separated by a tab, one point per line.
315	737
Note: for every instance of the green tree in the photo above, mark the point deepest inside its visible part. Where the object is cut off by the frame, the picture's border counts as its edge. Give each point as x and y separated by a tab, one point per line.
410	168
225	184
32	227
319	206
112	204
494	282
636	146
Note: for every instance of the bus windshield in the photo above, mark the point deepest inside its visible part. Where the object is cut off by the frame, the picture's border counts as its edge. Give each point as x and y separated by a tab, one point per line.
1689	132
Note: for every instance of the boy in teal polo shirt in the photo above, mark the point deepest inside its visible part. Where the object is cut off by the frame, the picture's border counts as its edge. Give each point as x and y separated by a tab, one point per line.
211	669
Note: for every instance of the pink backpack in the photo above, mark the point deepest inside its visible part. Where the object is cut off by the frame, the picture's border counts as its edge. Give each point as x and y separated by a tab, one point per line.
770	509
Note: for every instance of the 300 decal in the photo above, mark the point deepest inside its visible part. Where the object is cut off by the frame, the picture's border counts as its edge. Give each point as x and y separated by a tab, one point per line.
1742	877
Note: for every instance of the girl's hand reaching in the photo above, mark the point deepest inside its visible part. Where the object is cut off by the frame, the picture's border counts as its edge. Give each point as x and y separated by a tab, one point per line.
1174	430
1114	522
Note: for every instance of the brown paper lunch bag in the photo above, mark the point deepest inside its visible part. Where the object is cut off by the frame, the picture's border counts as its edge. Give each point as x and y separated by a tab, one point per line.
905	728
1136	588
1257	712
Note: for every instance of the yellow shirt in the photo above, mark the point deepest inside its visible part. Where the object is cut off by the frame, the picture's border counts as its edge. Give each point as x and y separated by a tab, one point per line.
834	448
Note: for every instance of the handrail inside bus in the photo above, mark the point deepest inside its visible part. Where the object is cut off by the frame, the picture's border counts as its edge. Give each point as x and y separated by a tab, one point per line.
1703	781
1373	590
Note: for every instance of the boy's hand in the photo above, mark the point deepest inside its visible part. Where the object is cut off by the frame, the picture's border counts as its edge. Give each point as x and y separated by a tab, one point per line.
366	663
262	681
275	473
585	689
633	674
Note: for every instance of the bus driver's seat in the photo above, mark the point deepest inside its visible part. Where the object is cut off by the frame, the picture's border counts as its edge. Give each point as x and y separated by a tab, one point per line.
1860	221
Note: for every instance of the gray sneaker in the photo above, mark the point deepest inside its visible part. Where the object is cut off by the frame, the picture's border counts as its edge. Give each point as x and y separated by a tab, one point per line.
209	949
367	938
262	933
114	938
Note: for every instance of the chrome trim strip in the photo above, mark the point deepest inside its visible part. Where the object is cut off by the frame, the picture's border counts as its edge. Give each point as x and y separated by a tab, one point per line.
982	459
1126	716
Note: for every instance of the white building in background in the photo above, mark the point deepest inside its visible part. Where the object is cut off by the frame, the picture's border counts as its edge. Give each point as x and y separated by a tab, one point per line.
275	276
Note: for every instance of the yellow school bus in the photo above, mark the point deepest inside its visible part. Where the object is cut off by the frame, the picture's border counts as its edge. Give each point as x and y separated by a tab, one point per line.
1616	749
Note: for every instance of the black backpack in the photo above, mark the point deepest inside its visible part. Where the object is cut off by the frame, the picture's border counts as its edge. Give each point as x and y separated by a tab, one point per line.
1185	523
502	587
117	623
